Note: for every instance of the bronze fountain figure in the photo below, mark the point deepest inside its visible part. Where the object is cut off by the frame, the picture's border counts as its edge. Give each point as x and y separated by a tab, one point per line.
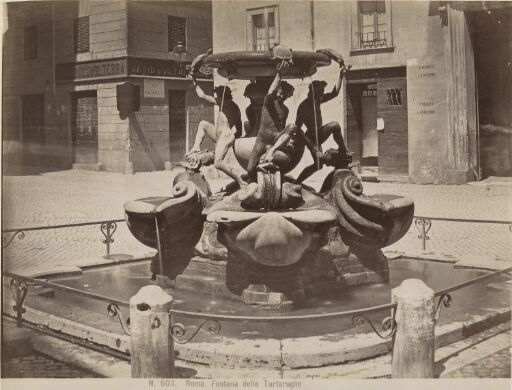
275	242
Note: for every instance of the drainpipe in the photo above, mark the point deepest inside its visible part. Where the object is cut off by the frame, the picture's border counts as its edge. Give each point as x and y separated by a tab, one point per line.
312	11
53	47
478	161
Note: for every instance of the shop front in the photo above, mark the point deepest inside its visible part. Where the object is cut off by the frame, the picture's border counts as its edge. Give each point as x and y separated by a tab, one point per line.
153	135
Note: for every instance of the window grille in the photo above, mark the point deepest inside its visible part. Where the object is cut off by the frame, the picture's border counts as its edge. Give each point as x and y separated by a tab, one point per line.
394	96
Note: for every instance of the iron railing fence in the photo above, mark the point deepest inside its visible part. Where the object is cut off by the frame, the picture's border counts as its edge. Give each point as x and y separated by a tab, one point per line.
19	285
423	225
445	299
107	228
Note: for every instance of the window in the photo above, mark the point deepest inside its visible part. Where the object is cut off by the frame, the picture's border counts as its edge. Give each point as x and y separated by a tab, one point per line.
81	34
371	25
177	32
30	43
262	28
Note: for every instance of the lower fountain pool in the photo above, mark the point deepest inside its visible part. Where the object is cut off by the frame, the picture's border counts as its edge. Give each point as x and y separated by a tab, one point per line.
122	281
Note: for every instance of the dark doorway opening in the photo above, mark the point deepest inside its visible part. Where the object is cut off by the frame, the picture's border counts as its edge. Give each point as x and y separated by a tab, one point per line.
84	123
369	136
33	130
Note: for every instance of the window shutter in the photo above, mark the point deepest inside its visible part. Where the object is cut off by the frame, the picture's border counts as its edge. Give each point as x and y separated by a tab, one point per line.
81	34
177	29
389	32
276	24
249	36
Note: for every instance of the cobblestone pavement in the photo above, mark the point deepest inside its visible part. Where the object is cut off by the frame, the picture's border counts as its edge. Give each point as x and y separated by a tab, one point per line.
39	366
496	365
71	197
79	196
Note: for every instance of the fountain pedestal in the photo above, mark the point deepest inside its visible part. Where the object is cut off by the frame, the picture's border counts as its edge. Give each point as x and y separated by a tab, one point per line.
274	245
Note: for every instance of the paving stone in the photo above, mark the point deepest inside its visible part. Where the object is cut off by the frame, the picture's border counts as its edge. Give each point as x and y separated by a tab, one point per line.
39	366
496	365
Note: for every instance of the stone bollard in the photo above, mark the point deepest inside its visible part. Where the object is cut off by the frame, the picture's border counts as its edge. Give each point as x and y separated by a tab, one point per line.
414	344
151	345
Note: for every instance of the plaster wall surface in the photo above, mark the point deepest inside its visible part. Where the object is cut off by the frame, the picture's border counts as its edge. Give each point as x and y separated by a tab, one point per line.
148	27
107	29
427	81
150	125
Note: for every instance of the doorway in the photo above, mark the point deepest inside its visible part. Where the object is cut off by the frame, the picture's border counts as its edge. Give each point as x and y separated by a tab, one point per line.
369	134
32	127
84	124
177	124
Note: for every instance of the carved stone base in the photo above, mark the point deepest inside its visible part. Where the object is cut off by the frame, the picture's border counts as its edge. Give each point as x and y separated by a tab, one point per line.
278	288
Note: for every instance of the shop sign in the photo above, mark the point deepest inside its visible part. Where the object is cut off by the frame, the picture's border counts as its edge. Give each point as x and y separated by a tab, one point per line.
154	88
92	70
157	68
119	68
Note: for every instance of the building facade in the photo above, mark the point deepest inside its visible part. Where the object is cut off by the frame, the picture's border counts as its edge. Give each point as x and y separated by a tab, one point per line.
428	99
63	62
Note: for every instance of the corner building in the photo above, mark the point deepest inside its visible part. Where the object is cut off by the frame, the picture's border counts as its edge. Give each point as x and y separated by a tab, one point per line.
62	62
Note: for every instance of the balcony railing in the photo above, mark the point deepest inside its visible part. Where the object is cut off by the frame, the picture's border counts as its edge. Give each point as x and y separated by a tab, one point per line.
372	39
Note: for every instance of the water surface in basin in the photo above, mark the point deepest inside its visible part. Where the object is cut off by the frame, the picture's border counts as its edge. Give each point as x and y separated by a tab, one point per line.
124	280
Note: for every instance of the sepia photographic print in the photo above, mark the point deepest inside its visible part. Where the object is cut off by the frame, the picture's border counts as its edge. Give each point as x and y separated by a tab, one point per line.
266	194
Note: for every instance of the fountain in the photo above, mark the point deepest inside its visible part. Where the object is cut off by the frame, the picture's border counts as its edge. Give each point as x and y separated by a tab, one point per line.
275	243
289	273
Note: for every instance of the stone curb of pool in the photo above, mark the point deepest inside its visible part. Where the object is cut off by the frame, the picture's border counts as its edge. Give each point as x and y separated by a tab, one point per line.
110	367
227	352
488	263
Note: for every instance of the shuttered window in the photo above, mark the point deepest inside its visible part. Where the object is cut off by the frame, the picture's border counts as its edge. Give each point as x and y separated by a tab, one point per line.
262	28
177	32
81	34
30	43
371	24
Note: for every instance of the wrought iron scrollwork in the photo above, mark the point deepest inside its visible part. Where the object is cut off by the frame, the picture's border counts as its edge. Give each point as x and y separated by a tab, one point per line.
444	300
108	229
388	325
19	292
114	311
7	241
178	330
423	225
